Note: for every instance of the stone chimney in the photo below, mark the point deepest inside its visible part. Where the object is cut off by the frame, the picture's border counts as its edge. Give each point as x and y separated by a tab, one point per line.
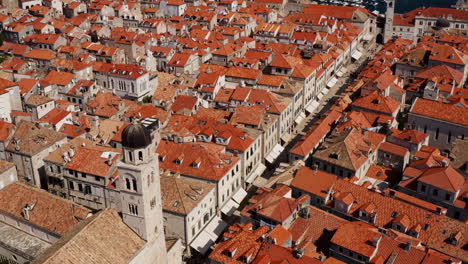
408	245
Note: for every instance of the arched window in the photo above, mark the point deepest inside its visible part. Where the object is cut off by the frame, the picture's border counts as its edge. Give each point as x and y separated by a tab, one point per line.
140	155
134	185
130	156
127	181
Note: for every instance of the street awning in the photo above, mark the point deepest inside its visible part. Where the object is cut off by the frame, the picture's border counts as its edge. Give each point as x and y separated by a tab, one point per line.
300	118
356	55
230	207
332	82
324	91
341	72
258	171
239	195
274	153
286	137
202	242
315	104
310	108
216	227
319	96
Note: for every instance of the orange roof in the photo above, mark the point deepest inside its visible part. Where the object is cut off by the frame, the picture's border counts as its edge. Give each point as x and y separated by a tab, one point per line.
51	212
310	140
214	161
6	129
378	102
242	240
59	78
92	160
311	181
40	54
243	73
274	204
54	116
280	235
271	80
184	102
441	111
411	135
394	149
446	178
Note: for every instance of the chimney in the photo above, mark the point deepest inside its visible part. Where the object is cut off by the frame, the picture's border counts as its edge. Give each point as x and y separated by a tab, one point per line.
444	163
408	245
375	241
26	210
71	151
109	160
26	213
299	253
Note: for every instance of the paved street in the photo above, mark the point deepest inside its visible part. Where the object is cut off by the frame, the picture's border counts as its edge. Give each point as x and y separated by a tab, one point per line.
325	103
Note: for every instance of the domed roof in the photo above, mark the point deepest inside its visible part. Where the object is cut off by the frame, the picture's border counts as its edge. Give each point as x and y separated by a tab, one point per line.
136	136
442	23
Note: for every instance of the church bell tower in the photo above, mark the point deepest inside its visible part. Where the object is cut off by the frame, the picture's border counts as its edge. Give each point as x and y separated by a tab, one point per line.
140	189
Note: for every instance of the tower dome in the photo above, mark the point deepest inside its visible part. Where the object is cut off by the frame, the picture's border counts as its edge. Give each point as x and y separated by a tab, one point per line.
442	23
136	136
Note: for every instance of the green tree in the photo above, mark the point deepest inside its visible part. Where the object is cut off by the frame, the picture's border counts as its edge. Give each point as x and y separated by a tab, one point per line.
146	99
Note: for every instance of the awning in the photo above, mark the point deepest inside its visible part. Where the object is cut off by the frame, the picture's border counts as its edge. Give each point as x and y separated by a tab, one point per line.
324	91
216	227
300	118
286	137
239	195
257	172
315	104
229	207
341	72
274	153
202	242
332	82
356	55
310	108
319	96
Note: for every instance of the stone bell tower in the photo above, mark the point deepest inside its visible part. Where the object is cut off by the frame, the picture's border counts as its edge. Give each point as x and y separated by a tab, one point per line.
389	14
140	189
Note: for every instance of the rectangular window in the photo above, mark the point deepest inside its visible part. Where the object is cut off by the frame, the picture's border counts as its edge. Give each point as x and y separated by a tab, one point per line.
133	209
435	192
448	197
72	185
80	187
87	189
423	188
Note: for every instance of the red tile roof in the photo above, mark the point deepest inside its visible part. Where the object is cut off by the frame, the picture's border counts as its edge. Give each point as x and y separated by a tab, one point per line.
51	212
214	161
311	181
394	149
441	111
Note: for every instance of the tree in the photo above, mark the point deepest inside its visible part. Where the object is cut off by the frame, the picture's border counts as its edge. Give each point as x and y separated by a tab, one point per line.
146	99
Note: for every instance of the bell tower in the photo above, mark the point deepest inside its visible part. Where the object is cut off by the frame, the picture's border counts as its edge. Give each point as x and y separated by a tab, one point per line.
389	14
140	189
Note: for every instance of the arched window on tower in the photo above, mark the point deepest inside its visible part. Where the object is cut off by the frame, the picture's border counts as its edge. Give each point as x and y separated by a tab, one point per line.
134	185
127	181
140	155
